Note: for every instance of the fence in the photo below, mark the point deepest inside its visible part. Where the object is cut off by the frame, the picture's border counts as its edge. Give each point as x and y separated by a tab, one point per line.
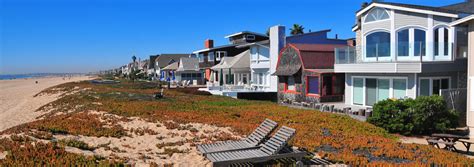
456	99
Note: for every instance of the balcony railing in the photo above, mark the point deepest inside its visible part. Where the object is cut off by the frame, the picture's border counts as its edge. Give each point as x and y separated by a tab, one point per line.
404	52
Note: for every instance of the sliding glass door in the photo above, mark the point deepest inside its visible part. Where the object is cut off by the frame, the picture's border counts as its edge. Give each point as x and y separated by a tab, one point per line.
433	86
368	91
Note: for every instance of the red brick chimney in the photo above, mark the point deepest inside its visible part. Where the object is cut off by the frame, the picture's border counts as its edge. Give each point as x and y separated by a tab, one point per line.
209	43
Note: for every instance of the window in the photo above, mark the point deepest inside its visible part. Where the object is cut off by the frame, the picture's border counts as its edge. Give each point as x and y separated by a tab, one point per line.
201	57
433	86
420	42
441	41
211	57
291	84
220	55
250	37
411	42
399	88
378	45
358	91
313	85
254	53
368	91
402	42
376	14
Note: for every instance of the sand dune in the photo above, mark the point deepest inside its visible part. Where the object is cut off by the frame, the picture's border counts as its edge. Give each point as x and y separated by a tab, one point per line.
17	102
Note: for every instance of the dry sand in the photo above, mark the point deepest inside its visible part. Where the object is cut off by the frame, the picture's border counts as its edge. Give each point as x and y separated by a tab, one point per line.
17	102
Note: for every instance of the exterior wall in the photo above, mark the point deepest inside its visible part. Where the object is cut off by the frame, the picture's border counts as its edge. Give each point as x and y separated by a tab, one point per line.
301	86
403	19
378	25
358	42
438	20
277	42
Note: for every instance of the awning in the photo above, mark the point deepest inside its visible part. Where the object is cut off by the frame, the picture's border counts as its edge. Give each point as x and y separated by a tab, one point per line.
287	70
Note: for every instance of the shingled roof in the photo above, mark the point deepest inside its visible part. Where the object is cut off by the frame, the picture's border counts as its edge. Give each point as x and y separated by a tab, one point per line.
167	59
310	57
464	7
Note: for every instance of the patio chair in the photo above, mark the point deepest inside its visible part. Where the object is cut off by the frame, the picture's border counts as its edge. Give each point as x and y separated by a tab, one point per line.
251	141
275	148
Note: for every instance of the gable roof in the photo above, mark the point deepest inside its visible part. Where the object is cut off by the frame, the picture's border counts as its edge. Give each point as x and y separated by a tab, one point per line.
411	8
463	20
240	61
464	7
311	57
164	60
188	64
172	66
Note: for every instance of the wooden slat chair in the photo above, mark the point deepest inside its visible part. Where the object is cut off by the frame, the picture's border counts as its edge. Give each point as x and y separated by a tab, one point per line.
275	148
251	141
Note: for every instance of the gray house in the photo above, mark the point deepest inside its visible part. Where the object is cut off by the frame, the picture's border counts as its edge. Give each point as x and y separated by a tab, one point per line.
403	51
164	60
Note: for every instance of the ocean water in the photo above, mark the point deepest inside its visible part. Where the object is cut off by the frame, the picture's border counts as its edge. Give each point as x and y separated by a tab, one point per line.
23	76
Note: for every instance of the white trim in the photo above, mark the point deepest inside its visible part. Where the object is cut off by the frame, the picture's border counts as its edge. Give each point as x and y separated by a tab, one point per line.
463	20
405	9
364	46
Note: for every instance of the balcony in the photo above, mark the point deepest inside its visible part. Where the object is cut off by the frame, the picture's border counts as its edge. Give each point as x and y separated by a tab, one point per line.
402	58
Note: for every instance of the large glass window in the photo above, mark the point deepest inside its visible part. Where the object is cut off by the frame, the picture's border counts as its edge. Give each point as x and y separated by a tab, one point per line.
376	14
378	45
420	42
433	86
313	85
402	42
358	91
441	41
383	91
399	88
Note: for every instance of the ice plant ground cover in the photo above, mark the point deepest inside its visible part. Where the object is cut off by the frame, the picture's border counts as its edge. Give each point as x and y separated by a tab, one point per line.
97	111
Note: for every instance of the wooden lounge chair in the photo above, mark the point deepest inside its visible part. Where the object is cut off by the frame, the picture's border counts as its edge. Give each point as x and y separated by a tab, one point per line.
275	148
252	141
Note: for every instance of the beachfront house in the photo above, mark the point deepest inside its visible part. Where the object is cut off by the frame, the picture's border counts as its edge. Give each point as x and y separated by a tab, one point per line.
403	51
164	60
306	74
188	70
232	71
213	55
468	23
169	72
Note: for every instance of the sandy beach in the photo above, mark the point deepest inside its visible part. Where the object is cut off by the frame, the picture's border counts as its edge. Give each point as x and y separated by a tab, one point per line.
17	102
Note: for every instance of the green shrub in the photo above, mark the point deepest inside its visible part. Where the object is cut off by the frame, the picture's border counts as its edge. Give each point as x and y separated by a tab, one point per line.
424	115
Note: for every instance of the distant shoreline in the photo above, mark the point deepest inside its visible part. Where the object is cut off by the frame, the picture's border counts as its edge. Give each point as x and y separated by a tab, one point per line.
35	76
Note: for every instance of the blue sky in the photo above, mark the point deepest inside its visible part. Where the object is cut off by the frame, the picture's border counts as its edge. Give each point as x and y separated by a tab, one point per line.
86	35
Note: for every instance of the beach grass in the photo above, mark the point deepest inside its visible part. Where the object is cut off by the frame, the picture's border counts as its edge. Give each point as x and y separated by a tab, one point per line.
337	138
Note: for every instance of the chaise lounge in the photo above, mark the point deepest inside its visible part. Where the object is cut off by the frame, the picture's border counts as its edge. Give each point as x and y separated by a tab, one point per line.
252	141
275	148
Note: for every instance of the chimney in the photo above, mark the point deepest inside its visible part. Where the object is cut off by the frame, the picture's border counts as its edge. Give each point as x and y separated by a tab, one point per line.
351	42
337	37
277	42
209	43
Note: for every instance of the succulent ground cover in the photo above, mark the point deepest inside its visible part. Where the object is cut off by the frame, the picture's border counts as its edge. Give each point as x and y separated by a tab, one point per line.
337	138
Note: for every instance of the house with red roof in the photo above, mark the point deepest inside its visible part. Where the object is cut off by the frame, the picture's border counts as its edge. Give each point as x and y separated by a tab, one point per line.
306	74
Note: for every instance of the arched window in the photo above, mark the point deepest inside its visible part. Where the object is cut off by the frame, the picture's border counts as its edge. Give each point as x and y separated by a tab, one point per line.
441	41
376	14
377	44
411	42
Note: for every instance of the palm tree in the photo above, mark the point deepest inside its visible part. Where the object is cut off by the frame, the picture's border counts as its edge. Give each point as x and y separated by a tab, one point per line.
297	29
134	58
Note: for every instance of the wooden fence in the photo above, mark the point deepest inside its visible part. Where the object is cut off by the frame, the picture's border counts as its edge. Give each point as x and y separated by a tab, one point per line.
456	99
